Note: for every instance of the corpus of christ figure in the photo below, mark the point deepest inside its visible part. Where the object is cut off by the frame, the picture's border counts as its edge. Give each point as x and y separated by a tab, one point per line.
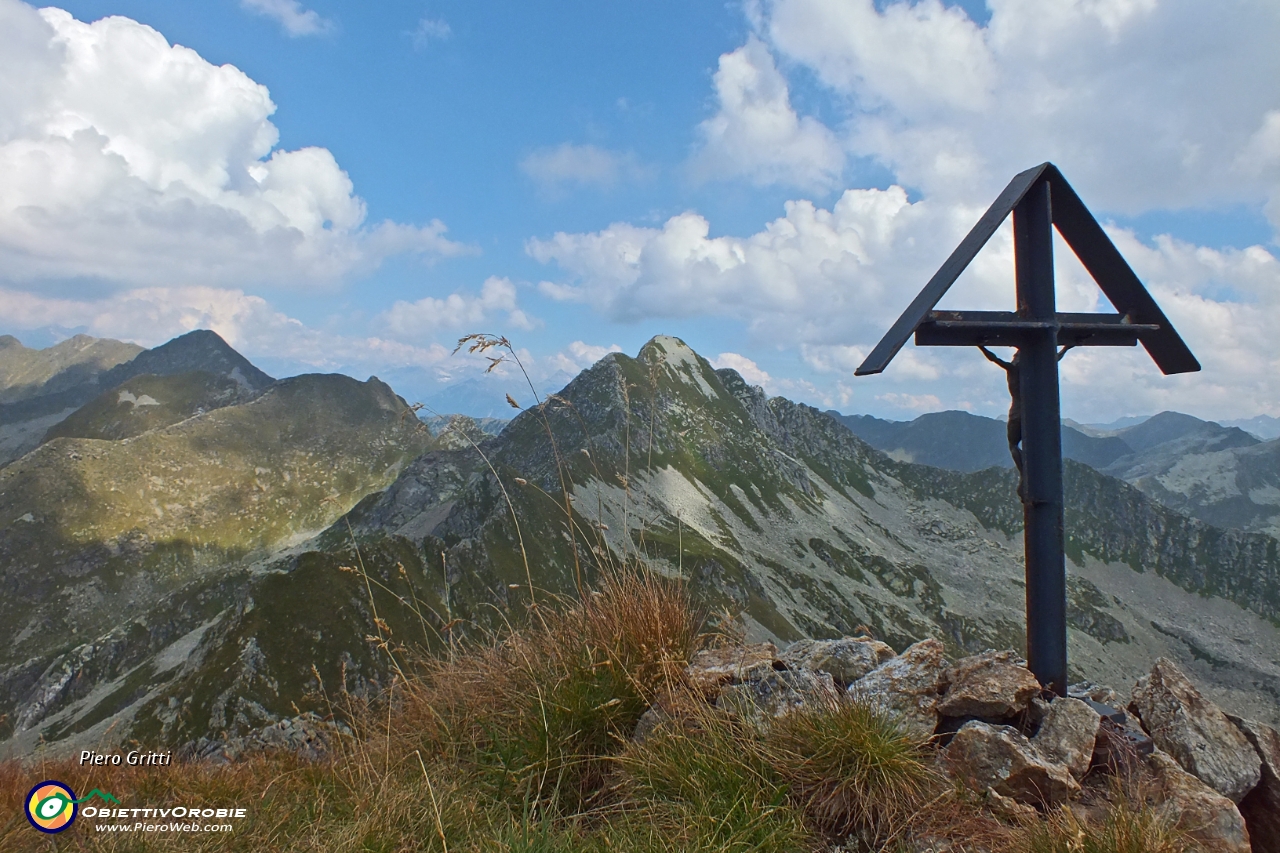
1014	427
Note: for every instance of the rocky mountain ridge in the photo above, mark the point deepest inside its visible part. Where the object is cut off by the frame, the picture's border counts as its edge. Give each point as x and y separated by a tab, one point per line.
26	373
39	389
779	517
788	522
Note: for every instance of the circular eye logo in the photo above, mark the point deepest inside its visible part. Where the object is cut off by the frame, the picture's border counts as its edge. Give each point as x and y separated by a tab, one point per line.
51	806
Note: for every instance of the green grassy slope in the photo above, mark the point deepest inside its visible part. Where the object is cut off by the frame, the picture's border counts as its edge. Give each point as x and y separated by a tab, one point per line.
149	402
96	534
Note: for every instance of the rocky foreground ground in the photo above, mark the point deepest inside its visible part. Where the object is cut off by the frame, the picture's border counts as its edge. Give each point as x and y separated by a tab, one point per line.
995	730
989	726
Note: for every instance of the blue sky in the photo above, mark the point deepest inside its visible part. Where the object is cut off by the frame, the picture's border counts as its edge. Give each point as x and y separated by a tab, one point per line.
350	187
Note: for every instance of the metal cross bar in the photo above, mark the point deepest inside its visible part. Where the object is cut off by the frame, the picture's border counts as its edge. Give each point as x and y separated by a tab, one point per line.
1001	328
1039	200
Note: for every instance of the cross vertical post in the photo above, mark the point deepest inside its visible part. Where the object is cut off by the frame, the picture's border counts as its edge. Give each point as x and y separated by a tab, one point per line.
1043	516
1040	200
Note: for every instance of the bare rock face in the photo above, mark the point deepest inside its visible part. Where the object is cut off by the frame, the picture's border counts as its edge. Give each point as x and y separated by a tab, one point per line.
1195	732
847	660
713	669
306	735
1067	735
1002	759
1200	811
1261	807
778	694
992	685
907	687
1009	808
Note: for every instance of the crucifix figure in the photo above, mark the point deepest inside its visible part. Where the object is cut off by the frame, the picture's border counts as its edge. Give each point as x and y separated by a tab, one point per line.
1040	199
1013	428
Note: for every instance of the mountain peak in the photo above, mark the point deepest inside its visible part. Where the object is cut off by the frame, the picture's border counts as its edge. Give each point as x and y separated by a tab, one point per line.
668	344
682	362
202	349
1162	428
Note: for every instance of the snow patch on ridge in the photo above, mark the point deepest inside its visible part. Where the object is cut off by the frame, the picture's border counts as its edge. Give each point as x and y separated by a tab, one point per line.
144	400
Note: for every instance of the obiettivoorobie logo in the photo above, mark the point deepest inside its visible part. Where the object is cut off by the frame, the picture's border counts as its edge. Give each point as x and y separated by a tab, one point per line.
52	806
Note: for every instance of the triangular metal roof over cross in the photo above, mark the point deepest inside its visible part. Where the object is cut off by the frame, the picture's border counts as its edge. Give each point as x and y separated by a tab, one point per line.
1139	318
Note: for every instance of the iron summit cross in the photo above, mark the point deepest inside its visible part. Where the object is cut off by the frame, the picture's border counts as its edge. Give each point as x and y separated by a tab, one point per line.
1041	199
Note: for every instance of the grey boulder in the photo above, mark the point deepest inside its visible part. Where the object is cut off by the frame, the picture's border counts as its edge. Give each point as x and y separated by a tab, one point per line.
847	660
1195	731
1067	735
711	669
906	688
778	694
1198	810
991	685
1001	758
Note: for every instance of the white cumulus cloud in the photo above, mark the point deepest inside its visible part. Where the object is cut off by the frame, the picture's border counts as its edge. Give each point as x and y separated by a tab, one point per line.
290	14
757	134
1143	104
914	403
127	160
746	368
806	276
457	311
576	357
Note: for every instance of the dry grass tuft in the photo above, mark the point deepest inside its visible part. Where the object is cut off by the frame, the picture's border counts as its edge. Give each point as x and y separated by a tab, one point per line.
1125	828
852	768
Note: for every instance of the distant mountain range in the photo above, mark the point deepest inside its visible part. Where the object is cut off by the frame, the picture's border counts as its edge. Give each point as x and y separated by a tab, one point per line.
1264	427
179	570
485	397
1220	474
487	426
39	389
964	442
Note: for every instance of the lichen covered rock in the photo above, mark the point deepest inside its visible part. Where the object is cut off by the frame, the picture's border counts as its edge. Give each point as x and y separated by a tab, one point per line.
1195	732
713	669
906	687
777	694
992	685
1067	735
847	660
1002	758
1197	809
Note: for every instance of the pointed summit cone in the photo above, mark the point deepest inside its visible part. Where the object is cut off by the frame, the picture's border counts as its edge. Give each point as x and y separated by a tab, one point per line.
681	362
203	350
